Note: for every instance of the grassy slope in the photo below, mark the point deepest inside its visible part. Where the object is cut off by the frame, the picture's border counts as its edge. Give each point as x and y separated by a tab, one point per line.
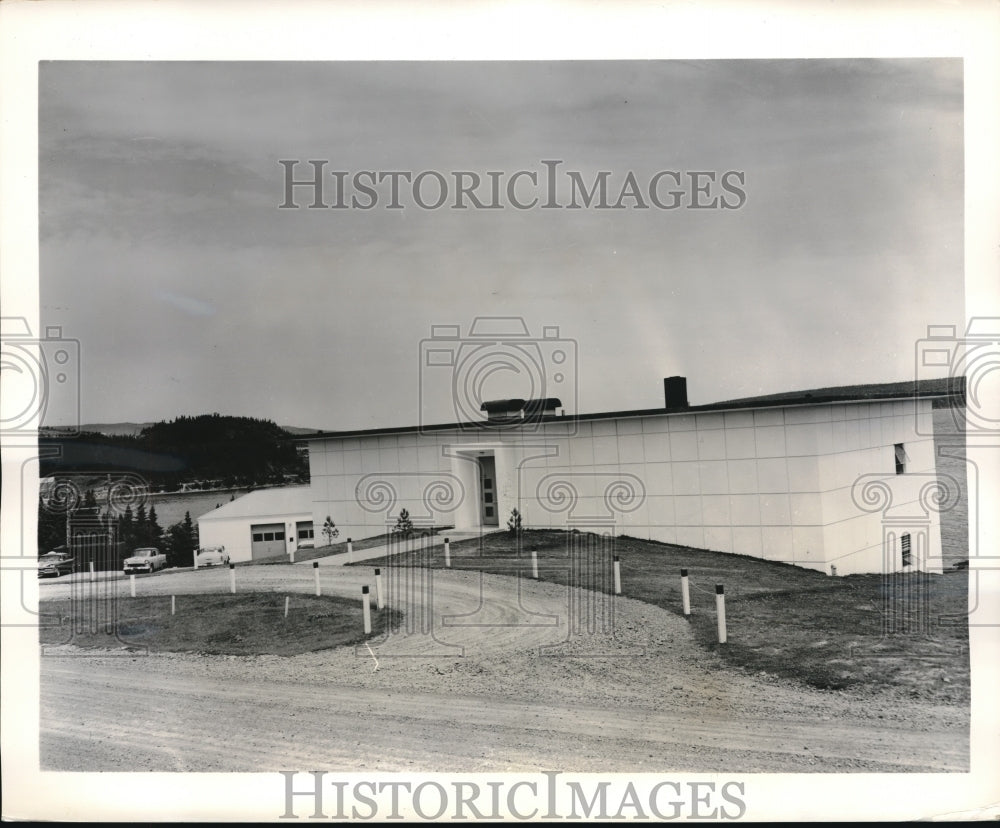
861	632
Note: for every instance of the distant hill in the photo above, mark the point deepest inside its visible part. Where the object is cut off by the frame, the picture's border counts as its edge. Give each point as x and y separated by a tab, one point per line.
953	387
300	430
115	429
134	429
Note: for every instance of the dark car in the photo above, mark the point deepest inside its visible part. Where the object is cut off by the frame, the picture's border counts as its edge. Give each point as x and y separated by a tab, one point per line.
55	564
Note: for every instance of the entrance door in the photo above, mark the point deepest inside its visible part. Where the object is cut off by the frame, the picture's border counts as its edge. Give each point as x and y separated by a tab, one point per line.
488	491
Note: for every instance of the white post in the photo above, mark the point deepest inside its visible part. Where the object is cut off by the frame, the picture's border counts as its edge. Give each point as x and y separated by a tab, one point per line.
232	578
685	594
286	606
447	553
92	576
366	609
292	555
131	584
173	604
720	611
316	576
618	575
534	563
378	588
195	558
350	551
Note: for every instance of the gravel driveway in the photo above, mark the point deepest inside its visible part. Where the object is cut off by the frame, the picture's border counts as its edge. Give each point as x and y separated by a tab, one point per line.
487	673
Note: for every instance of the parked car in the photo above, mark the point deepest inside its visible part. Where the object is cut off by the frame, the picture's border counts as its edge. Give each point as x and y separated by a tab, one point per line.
147	559
213	556
54	563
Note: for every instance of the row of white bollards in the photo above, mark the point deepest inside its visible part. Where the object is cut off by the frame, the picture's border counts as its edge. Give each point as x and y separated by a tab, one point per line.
720	592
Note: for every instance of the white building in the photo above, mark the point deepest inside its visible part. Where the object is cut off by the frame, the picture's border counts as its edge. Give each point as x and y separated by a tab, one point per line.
260	524
843	486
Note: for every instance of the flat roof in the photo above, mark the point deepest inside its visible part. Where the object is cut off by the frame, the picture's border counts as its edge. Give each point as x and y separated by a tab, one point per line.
830	396
274	501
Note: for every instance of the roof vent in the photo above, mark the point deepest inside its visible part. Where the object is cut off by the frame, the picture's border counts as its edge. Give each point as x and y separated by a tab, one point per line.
521	409
502	409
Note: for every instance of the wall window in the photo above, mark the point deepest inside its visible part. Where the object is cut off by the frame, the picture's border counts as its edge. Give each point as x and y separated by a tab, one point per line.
257	537
901	458
904	544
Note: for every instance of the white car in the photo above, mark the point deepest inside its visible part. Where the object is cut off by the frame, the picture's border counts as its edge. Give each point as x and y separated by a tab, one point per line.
213	556
54	563
147	559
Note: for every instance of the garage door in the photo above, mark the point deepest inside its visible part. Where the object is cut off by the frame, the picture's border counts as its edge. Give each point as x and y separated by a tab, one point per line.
267	540
304	533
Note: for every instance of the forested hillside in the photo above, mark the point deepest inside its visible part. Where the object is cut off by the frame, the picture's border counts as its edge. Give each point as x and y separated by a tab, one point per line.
211	448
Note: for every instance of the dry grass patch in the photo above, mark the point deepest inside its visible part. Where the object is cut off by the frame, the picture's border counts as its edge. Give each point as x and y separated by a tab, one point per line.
244	624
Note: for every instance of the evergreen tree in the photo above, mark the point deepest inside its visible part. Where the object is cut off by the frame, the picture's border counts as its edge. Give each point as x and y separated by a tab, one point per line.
191	531
51	528
180	542
404	525
126	527
141	526
90	508
154	531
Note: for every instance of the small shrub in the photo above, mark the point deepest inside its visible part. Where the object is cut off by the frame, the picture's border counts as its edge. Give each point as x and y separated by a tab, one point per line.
514	522
404	525
330	530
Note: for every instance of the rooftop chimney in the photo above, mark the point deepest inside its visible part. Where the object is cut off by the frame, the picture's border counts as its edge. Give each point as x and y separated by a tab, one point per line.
675	392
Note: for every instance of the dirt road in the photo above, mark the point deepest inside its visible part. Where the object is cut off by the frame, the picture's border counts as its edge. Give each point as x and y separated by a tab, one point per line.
487	673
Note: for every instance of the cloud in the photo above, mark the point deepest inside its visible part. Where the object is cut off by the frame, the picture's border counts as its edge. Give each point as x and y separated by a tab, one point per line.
188	304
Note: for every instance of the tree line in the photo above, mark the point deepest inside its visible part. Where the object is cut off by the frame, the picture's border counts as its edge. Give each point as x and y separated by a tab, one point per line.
232	451
127	531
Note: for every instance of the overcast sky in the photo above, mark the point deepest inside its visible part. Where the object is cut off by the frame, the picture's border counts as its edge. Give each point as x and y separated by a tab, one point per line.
164	252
